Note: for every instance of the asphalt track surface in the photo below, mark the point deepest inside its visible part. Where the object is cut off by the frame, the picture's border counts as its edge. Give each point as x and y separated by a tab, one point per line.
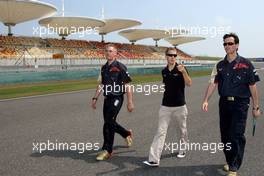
69	118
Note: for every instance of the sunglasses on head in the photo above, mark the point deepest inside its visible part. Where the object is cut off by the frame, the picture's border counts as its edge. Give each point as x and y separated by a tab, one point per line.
171	55
228	43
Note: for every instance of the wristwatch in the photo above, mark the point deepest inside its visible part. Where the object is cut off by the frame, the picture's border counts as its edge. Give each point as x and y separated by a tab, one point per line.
257	108
94	98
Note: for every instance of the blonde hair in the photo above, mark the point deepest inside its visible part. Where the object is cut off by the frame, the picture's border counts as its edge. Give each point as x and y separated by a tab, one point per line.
170	49
110	45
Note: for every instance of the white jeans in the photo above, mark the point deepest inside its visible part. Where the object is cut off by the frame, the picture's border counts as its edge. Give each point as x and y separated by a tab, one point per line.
165	114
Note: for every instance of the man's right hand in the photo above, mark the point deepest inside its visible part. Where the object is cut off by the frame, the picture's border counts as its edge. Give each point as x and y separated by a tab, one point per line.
130	107
256	113
205	106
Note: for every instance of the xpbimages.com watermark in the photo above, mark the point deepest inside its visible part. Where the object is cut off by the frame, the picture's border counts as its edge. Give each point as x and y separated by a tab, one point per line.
81	31
195	146
210	31
146	89
80	147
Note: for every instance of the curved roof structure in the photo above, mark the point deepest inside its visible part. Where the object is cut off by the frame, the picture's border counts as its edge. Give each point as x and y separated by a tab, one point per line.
174	32
183	39
67	25
134	35
14	12
112	25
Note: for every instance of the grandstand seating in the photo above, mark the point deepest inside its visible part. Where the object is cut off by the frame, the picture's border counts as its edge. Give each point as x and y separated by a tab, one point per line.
14	47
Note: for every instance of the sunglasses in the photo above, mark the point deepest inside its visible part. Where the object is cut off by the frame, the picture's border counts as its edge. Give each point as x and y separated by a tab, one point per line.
110	51
171	55
228	43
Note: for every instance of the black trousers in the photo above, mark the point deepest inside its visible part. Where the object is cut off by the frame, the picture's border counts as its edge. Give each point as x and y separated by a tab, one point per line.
112	106
233	118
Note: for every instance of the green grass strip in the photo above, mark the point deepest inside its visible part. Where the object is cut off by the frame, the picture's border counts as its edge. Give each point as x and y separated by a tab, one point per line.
31	89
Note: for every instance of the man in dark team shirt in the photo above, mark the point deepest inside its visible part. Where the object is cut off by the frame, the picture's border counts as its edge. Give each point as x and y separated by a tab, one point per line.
113	81
175	77
236	80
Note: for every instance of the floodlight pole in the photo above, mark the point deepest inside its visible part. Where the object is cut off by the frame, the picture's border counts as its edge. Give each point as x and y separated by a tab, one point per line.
103	13
102	17
62	8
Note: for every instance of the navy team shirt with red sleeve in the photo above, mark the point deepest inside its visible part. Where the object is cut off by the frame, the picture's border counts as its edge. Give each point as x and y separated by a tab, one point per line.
234	78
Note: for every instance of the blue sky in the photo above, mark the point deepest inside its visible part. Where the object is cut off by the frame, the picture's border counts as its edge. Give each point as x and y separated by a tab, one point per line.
240	16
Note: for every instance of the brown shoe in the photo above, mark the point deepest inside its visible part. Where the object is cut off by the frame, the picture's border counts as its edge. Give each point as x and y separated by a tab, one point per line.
129	139
226	168
103	155
230	173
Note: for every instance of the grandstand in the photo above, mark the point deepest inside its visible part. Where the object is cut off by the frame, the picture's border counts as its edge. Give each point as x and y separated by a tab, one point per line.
32	51
13	48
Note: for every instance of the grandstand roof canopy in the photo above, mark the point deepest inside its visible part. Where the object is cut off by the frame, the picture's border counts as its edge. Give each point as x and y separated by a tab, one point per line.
13	12
183	39
134	35
112	25
65	26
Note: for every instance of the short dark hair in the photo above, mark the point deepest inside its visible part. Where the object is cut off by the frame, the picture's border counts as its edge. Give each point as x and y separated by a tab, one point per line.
232	35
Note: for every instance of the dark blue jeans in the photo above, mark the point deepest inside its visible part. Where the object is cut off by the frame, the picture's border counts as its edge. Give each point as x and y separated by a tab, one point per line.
112	106
233	118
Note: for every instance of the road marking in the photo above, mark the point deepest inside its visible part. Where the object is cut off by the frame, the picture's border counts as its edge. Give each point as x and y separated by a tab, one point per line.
51	94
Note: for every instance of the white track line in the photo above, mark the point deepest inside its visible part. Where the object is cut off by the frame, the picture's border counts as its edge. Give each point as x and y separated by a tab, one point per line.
45	95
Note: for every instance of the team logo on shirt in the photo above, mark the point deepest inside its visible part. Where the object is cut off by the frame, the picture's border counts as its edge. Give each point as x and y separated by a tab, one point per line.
240	66
114	69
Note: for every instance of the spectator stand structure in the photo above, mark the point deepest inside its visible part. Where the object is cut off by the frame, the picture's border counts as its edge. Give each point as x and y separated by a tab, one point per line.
15	12
26	50
133	35
67	25
112	25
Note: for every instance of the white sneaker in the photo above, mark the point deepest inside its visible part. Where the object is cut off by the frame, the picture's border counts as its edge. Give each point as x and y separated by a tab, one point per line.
151	163
181	154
